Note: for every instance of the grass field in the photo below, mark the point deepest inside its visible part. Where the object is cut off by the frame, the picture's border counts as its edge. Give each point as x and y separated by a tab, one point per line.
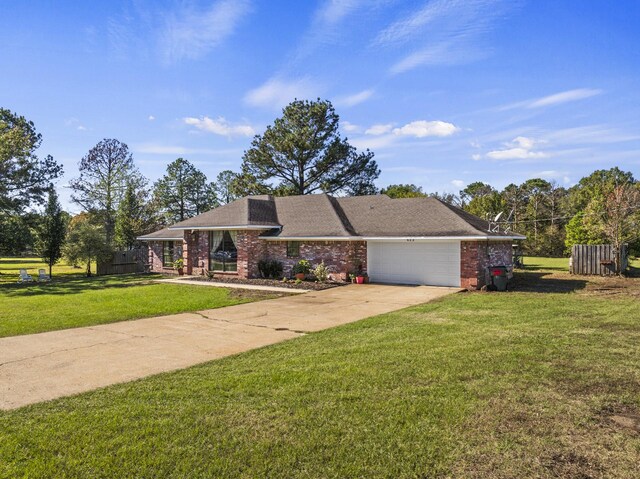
495	385
537	263
10	269
71	300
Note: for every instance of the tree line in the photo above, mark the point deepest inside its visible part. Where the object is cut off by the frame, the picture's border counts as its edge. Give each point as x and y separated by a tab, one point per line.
603	207
302	152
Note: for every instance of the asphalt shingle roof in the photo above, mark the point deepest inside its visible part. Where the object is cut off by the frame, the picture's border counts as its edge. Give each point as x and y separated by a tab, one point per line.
163	234
358	216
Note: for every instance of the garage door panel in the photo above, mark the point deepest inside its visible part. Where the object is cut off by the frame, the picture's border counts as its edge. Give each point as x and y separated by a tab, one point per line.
414	262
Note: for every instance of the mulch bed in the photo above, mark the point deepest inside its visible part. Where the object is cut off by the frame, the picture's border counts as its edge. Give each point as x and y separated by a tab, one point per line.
271	282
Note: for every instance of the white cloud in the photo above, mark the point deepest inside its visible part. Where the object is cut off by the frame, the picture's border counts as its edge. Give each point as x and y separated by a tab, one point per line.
476	157
334	11
590	134
355	99
514	154
330	24
442	32
555	99
219	126
519	148
422	128
443	54
350	127
191	33
379	129
151	118
76	124
458	183
374	142
564	97
276	93
524	142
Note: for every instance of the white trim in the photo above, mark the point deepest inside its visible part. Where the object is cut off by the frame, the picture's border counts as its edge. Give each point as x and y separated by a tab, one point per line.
442	238
392	238
312	238
234	227
142	238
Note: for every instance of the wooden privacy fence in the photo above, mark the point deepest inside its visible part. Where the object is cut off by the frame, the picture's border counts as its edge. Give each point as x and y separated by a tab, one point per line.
597	259
124	262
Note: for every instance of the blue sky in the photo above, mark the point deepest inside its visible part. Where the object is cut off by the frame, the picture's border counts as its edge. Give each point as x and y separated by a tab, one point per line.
444	92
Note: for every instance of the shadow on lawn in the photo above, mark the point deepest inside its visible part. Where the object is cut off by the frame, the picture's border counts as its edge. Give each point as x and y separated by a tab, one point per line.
546	282
75	285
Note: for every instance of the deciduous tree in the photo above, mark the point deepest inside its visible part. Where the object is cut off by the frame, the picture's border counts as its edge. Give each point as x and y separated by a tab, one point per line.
85	242
403	191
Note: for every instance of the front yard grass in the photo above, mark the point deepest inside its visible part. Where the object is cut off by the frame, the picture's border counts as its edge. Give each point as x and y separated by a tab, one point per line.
71	300
477	385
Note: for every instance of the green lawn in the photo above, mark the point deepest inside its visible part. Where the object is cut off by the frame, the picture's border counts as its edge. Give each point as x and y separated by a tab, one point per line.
10	269
71	300
538	263
492	385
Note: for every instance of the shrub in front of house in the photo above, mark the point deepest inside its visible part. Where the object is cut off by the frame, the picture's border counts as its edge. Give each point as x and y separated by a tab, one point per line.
302	267
321	272
270	269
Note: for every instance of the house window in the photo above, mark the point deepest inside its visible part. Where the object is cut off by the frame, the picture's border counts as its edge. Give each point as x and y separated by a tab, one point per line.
223	254
293	249
167	254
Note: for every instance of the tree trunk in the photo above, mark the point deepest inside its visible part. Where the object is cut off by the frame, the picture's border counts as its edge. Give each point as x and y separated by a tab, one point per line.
50	269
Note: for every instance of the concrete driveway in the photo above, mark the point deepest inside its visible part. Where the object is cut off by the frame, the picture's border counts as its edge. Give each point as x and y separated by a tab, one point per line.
40	367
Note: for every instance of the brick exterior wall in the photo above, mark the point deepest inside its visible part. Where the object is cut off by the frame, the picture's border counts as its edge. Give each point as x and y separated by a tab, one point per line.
340	256
155	256
477	256
251	249
196	254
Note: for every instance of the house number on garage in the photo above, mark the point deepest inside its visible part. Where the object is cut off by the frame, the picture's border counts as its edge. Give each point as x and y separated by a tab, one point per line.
410	240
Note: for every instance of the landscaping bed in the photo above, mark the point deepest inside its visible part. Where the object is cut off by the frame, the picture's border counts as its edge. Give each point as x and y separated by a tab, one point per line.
291	284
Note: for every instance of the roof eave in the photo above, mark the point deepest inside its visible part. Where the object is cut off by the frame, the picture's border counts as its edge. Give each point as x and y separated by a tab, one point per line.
444	238
143	238
312	238
227	227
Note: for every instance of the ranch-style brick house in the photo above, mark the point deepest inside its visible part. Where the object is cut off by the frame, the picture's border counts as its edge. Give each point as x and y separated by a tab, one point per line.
406	240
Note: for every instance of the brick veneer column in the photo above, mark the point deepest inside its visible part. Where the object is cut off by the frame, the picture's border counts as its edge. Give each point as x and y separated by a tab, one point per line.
477	256
251	249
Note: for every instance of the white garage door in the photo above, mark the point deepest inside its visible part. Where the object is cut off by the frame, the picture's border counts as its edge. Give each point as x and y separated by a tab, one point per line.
414	262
